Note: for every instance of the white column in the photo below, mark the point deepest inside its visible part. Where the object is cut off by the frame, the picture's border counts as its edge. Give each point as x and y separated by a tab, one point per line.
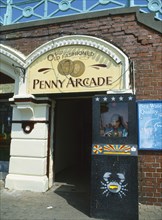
29	143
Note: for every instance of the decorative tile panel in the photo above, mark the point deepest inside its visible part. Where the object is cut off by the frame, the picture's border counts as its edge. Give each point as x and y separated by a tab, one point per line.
114	149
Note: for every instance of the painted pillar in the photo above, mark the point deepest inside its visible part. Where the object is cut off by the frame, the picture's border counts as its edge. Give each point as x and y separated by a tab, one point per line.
29	145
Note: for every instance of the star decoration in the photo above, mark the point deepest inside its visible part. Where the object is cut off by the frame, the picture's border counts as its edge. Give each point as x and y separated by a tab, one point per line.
121	98
130	98
113	98
97	99
105	99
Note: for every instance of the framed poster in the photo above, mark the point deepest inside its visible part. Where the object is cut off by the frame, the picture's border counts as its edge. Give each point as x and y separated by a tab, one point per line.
150	125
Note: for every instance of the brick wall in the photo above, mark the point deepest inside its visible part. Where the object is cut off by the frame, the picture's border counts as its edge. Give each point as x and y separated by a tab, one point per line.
150	177
143	46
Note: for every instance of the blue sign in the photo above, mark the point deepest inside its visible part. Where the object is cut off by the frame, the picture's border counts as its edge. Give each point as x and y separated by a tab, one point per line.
150	125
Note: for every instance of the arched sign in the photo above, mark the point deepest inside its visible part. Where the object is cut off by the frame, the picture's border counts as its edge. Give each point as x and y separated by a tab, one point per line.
73	65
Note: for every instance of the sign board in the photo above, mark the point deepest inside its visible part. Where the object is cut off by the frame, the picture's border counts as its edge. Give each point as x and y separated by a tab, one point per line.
7	88
74	68
150	125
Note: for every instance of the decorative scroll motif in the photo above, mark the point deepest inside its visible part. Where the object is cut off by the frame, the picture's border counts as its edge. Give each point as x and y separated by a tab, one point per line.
20	11
114	149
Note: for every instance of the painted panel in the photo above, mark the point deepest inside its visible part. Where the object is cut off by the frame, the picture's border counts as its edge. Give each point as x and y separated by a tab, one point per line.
114	190
114	149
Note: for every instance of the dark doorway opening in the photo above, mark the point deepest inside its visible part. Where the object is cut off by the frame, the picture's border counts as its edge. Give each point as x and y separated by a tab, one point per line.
72	136
72	150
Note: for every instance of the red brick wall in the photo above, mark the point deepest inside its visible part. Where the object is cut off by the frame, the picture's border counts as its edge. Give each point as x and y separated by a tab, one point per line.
150	178
143	46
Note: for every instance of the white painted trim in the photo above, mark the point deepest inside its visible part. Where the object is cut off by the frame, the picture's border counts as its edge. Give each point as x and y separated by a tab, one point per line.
13	54
115	53
10	57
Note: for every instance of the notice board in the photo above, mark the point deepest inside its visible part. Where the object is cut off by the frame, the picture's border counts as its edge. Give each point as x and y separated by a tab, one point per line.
150	125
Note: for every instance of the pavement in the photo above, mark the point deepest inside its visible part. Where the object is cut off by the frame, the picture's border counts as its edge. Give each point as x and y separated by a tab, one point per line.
61	202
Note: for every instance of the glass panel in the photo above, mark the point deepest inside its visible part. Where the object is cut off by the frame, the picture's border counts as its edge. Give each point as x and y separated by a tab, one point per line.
114	119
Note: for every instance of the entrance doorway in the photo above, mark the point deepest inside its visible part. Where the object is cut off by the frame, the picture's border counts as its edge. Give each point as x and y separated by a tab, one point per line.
73	141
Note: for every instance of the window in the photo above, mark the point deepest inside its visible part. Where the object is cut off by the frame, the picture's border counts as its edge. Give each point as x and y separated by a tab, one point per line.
114	119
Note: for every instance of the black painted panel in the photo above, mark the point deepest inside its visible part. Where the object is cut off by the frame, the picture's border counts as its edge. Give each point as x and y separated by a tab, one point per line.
114	187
